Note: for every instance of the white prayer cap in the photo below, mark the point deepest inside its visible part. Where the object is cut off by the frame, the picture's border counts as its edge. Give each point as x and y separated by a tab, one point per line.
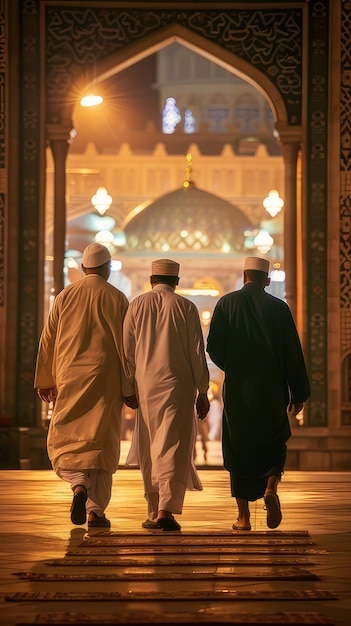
255	263
95	255
165	267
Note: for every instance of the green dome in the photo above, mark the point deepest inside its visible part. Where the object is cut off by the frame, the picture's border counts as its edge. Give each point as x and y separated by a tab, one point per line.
188	220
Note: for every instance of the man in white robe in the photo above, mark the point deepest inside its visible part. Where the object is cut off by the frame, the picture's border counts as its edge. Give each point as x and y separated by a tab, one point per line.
164	346
81	367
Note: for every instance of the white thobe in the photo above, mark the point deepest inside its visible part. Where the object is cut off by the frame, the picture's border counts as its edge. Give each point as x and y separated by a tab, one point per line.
164	346
81	353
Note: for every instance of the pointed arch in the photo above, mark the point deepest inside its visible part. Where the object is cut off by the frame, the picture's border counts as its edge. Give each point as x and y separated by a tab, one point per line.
138	50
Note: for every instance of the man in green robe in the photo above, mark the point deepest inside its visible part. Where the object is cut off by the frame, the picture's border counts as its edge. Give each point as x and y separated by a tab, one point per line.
254	340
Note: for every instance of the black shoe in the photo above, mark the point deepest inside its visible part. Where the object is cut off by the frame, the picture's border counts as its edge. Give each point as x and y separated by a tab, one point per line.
78	512
98	521
168	523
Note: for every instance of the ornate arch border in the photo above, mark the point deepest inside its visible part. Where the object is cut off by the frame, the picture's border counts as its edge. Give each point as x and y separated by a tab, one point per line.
268	37
136	50
267	40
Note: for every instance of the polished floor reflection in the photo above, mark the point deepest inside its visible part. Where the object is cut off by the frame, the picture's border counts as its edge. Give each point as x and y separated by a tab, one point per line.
53	573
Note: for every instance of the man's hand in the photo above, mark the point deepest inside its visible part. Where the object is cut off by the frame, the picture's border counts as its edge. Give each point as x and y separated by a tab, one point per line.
47	394
294	409
202	405
131	401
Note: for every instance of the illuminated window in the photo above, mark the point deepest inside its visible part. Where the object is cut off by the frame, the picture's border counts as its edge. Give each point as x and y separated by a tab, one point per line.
170	117
189	122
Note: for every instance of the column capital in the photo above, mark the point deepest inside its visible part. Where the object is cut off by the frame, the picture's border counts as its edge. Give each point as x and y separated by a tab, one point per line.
59	132
289	134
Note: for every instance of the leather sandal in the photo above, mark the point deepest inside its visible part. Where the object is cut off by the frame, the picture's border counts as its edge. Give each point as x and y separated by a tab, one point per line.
78	512
272	505
237	527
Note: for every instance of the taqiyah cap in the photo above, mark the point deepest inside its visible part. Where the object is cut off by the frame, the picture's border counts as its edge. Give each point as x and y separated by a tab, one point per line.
255	263
165	267
95	255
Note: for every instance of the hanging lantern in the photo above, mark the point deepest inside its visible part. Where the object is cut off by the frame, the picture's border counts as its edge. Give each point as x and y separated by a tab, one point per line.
277	274
263	241
273	203
101	201
105	237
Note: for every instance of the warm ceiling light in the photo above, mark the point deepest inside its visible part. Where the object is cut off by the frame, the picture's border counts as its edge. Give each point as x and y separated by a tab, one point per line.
101	201
205	317
91	101
198	292
105	237
273	203
277	274
263	241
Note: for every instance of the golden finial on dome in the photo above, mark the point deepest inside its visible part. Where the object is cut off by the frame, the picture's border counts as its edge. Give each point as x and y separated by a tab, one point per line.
188	171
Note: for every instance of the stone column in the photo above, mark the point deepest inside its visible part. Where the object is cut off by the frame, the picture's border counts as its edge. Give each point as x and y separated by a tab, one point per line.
59	143
290	153
290	138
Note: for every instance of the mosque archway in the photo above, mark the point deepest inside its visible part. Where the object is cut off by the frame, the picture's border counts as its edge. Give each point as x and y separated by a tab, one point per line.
271	43
204	307
114	64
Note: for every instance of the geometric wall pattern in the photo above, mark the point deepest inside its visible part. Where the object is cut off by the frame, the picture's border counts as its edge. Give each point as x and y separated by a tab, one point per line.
3	68
29	219
316	263
345	210
271	40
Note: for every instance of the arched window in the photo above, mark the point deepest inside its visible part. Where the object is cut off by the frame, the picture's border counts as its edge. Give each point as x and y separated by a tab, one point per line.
246	113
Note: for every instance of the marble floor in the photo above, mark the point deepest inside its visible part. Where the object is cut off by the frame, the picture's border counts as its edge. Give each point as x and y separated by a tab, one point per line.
51	575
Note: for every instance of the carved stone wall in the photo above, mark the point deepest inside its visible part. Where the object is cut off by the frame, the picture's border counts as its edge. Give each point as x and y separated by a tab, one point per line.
345	211
3	67
29	212
316	201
